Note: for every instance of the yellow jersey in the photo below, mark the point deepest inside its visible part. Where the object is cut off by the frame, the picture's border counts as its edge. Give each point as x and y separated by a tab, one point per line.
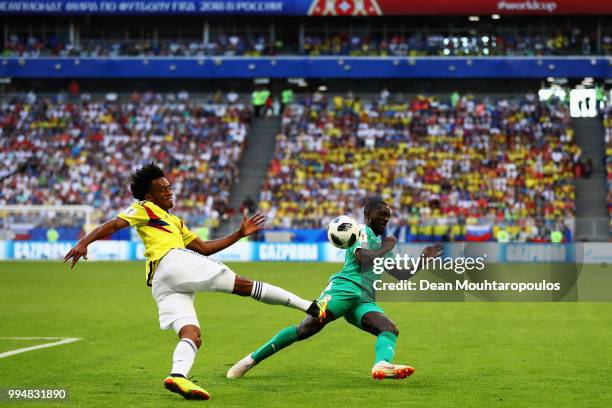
159	230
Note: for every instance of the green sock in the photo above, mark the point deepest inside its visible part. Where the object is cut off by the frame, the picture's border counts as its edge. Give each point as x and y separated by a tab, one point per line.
385	347
282	339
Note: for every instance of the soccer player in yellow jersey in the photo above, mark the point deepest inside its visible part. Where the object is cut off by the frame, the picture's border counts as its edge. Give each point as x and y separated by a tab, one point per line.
178	266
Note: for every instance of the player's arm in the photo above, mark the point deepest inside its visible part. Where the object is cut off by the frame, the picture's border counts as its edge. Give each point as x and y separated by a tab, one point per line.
247	227
101	231
366	257
432	251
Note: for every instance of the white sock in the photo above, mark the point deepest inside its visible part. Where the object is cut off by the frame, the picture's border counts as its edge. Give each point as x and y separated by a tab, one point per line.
273	295
183	357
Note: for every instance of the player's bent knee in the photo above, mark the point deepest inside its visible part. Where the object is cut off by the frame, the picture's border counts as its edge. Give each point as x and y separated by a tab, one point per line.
377	323
308	328
304	332
390	328
192	333
198	338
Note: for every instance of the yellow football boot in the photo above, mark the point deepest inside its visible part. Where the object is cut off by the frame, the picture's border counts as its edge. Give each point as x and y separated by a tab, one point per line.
186	388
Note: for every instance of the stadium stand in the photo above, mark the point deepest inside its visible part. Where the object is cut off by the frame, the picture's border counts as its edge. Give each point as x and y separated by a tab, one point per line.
226	45
570	41
445	44
458	168
444	166
607	122
62	150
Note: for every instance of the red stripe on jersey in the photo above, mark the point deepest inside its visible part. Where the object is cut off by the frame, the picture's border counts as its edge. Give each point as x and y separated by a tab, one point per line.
155	221
150	213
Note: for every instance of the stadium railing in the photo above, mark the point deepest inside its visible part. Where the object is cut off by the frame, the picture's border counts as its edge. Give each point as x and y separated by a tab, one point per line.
308	67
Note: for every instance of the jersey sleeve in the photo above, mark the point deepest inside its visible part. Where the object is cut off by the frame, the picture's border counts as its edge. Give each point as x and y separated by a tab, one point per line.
187	234
135	215
355	247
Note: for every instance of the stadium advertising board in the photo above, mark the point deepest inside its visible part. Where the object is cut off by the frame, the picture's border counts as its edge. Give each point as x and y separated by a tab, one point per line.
288	252
306	7
537	253
590	253
37	250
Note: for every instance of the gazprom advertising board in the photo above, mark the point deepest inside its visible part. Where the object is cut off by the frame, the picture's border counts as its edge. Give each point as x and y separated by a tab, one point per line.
588	253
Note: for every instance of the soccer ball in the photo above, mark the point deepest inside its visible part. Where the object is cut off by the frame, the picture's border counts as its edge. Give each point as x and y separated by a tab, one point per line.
343	231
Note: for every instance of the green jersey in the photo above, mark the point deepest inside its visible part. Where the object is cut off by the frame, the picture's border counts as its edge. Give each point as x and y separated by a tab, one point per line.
352	270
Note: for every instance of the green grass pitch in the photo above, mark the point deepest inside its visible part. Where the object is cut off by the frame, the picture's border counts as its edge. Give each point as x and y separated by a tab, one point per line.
465	354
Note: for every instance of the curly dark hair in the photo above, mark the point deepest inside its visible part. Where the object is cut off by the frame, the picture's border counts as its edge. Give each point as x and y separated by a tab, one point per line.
373	204
142	178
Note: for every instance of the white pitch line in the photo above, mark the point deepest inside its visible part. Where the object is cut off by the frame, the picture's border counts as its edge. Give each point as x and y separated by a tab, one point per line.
62	340
32	338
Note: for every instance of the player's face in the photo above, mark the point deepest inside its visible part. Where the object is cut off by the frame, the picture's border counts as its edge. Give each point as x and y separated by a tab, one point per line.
161	193
378	219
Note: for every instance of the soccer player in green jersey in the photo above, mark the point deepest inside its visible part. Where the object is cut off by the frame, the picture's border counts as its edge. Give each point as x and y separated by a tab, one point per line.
350	293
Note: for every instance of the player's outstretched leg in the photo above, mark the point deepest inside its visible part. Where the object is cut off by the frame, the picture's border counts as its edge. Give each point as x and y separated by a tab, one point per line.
286	337
386	340
198	273
273	295
182	360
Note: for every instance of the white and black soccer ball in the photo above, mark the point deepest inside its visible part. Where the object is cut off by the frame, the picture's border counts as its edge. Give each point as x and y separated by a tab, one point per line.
343	231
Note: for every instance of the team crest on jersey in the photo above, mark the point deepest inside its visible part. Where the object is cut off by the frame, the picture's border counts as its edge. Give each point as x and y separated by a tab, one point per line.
130	211
363	235
345	8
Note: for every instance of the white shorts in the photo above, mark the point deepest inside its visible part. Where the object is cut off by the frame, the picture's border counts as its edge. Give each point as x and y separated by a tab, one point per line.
180	274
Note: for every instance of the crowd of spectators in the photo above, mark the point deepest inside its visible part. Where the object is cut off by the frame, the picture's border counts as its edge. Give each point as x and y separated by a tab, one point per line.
442	165
77	150
567	42
222	45
607	122
573	42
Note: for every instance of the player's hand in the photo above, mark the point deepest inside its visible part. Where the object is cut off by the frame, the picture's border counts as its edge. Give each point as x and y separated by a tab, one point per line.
388	243
433	251
79	250
251	225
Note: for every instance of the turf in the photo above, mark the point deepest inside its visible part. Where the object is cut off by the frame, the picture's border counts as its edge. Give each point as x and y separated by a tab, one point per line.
466	354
